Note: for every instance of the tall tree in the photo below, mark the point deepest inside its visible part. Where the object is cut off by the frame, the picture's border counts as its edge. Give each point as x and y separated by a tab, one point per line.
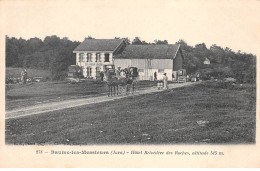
12	51
137	41
218	53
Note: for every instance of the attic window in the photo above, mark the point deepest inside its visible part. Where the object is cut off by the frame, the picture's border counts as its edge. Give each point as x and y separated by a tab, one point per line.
107	57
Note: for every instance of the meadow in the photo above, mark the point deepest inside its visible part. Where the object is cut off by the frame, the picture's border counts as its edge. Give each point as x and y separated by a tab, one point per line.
206	113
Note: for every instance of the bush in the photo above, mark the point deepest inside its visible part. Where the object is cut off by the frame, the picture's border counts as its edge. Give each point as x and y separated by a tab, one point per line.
59	75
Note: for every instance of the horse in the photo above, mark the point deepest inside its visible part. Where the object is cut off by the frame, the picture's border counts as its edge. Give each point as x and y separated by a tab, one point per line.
112	83
123	79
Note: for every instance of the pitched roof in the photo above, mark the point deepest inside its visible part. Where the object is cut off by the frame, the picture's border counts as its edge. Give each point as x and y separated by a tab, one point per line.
149	51
99	45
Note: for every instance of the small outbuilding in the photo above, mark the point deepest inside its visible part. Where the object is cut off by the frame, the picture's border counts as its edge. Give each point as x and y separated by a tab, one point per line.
206	61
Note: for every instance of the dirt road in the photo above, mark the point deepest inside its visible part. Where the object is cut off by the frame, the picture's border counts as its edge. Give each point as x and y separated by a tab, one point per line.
49	107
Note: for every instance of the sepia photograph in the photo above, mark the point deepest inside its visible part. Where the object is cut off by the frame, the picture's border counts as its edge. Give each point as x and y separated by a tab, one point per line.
135	73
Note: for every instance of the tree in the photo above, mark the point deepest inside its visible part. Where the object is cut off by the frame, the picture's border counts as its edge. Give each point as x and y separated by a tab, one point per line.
229	56
184	46
53	53
160	42
52	42
201	51
144	43
218	54
34	44
12	51
127	40
89	37
137	41
191	62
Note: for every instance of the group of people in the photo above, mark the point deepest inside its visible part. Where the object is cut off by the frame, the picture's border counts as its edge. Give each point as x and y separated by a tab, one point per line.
117	74
102	74
161	83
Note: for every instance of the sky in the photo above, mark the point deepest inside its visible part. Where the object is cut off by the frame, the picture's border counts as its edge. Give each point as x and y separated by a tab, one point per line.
227	23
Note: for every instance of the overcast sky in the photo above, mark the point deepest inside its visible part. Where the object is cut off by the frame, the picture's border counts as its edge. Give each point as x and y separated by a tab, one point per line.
235	24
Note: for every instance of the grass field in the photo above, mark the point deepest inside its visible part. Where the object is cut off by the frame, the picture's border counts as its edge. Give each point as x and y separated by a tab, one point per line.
16	72
202	113
18	96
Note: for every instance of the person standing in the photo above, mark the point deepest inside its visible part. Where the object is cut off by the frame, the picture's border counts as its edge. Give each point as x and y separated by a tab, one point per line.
25	76
197	77
165	81
22	77
101	76
117	72
187	78
155	76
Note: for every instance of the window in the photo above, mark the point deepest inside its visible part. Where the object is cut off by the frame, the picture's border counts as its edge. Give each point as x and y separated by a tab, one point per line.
81	56
98	57
97	71
160	70
89	57
89	71
107	57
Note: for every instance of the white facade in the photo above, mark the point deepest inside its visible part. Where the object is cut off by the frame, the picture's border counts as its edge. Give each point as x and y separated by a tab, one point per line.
93	62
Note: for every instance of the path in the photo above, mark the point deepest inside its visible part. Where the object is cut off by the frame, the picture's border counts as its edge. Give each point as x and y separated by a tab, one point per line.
53	106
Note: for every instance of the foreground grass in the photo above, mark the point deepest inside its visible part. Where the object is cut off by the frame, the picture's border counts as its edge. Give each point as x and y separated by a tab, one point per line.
168	117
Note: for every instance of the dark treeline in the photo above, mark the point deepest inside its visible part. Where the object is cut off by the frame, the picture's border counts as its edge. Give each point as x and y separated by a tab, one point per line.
53	53
223	62
56	54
